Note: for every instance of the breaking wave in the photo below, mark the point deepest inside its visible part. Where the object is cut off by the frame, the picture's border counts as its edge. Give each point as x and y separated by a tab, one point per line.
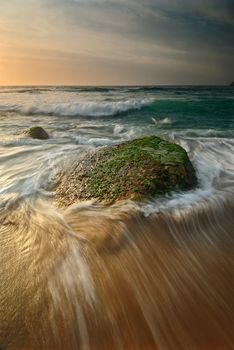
152	275
89	109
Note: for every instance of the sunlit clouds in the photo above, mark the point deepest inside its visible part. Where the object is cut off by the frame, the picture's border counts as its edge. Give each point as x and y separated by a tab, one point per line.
116	42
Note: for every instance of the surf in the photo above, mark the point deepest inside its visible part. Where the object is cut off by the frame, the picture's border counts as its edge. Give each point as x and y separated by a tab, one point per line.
151	275
92	109
91	277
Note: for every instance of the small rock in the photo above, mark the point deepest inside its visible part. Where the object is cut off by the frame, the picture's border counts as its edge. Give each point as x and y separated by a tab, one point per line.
37	132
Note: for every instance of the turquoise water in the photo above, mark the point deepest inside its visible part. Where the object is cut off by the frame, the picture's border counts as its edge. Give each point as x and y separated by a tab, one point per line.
187	107
201	119
95	277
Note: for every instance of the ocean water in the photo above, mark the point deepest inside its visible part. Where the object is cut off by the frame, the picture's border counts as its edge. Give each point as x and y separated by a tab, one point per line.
201	119
152	275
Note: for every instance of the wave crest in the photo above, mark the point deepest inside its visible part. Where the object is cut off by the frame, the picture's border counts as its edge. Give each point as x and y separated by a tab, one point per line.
86	109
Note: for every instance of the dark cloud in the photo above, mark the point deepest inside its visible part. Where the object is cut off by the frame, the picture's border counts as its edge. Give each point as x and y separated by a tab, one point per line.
202	31
183	40
189	25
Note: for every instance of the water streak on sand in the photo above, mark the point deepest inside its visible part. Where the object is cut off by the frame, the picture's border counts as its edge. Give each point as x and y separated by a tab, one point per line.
95	278
157	275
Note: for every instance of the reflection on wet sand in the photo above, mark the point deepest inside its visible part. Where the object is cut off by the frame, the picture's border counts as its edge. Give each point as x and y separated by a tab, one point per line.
99	278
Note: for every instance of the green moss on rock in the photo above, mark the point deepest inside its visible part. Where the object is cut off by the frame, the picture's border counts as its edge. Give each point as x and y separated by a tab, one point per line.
37	132
135	170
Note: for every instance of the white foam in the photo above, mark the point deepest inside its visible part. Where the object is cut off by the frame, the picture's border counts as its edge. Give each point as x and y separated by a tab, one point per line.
204	133
92	109
214	166
165	120
93	141
118	129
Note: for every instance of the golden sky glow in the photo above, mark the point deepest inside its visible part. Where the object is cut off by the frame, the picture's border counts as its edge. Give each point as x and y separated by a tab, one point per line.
115	42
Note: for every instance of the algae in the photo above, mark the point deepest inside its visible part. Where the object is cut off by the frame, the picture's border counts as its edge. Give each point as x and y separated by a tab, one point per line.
135	170
37	132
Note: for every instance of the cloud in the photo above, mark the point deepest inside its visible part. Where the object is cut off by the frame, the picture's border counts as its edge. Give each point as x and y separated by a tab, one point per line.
175	24
172	37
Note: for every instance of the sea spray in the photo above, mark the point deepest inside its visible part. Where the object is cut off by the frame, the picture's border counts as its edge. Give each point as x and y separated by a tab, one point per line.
92	109
154	276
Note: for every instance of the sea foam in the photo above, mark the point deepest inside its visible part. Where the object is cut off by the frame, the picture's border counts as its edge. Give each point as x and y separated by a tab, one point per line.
92	109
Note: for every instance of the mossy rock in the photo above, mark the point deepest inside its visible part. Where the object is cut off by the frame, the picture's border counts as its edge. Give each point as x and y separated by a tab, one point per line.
135	170
37	132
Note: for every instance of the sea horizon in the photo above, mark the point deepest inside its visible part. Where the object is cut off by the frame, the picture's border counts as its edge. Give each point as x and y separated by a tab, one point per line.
116	175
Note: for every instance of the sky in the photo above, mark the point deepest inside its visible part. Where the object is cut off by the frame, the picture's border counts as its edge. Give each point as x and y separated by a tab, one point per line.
116	42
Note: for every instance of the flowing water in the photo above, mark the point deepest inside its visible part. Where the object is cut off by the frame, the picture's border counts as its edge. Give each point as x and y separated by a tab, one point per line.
152	275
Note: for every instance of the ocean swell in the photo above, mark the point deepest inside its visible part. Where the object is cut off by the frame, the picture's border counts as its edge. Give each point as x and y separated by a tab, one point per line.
89	109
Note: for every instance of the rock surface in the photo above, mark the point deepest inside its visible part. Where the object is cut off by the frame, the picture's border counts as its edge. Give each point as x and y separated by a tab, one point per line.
37	132
135	170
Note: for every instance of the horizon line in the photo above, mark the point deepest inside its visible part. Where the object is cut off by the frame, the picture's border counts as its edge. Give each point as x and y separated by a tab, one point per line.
108	85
